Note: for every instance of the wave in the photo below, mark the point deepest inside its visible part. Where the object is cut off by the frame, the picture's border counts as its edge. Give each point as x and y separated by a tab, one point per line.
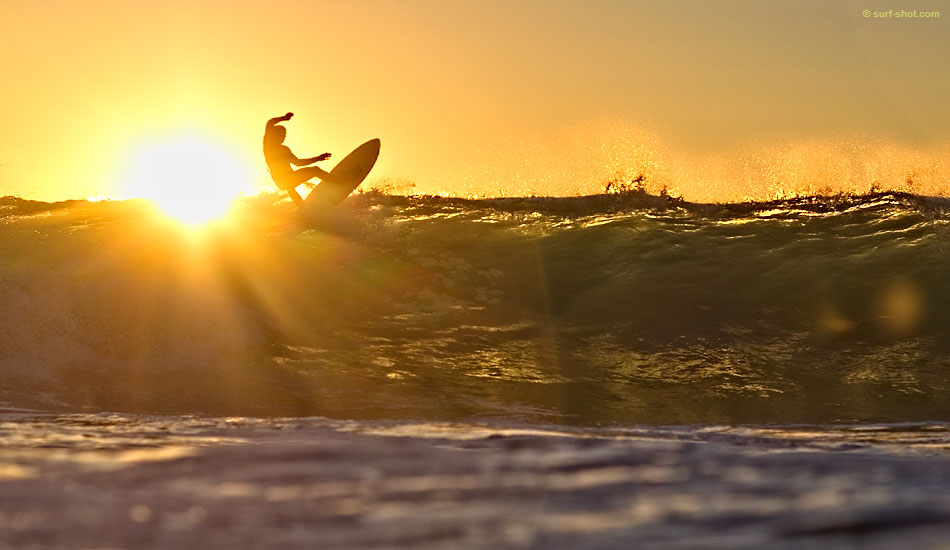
606	309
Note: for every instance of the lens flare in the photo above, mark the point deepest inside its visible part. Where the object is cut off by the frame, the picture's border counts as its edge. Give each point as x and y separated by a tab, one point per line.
189	178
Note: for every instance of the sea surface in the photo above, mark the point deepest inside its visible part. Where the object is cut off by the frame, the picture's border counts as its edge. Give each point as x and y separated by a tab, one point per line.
134	481
610	371
603	310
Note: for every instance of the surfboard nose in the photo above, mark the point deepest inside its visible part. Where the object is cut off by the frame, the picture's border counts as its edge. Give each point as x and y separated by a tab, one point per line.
375	144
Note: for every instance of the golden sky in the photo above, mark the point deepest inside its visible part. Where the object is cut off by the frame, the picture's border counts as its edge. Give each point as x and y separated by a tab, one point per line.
495	96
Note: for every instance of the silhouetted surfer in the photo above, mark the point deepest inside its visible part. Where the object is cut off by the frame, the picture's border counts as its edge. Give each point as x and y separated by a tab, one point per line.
279	159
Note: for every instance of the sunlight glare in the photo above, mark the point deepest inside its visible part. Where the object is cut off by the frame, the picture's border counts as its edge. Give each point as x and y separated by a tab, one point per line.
189	178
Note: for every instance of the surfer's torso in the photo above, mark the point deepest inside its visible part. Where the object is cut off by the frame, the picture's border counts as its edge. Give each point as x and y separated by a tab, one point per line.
278	159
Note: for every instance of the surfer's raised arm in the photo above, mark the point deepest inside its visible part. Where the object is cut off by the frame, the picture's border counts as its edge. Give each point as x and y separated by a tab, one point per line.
282	151
279	119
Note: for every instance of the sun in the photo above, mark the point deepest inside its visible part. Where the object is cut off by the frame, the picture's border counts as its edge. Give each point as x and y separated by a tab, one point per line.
190	178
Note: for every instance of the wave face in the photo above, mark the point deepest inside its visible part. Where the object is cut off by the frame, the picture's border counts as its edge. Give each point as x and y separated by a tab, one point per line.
611	309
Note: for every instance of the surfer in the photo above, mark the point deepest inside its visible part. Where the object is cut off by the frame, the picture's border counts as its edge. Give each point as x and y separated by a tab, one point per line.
279	159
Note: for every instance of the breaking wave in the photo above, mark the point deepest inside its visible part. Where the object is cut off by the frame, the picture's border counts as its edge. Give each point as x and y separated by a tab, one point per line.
606	309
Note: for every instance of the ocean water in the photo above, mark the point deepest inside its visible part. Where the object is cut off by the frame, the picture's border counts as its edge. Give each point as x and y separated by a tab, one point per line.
608	310
609	371
132	481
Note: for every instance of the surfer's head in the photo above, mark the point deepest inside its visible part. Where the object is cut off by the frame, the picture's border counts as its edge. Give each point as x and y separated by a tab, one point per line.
275	134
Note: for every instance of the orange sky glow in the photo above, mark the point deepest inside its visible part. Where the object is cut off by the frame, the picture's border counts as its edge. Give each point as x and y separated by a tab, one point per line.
487	97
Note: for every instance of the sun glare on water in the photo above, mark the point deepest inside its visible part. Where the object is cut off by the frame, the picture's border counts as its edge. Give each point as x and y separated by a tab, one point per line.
189	178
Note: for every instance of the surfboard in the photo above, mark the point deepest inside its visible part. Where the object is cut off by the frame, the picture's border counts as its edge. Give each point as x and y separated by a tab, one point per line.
346	176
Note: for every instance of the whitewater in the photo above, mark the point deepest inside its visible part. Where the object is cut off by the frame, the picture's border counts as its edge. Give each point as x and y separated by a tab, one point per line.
540	372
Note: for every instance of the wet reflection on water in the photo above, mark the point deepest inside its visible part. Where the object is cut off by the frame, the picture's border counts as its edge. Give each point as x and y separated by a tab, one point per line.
586	310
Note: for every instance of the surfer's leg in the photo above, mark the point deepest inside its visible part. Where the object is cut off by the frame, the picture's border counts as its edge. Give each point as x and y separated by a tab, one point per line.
295	196
288	184
309	173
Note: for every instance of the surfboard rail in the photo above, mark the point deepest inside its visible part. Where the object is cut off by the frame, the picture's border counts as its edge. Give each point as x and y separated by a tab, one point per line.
346	176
